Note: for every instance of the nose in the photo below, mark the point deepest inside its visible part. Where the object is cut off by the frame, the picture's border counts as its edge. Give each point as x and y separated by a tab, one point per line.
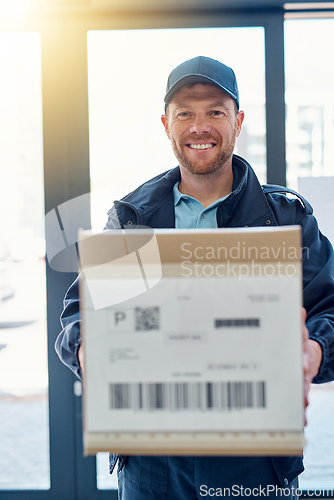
200	125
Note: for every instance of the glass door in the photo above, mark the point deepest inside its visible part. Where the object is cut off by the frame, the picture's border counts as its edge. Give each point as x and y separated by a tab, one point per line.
24	429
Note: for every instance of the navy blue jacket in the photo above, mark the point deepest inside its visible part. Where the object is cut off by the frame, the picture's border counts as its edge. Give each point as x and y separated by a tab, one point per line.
249	205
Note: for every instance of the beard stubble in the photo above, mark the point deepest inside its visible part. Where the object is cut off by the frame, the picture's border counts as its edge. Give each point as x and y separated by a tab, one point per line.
208	167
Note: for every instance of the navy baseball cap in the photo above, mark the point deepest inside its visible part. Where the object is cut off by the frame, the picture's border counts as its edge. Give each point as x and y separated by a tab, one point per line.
202	69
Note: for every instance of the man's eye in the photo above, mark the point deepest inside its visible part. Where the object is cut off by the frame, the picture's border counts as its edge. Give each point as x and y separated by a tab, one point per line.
216	113
183	115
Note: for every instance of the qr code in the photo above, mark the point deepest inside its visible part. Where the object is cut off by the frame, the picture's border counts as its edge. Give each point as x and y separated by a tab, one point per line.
147	318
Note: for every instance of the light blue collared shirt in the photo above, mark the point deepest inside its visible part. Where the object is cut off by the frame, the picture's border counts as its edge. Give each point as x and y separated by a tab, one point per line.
190	213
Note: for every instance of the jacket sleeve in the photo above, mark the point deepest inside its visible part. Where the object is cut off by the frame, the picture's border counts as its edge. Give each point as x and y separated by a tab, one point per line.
68	341
318	275
318	285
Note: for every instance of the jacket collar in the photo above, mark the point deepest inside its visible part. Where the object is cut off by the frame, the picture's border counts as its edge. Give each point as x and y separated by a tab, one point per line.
152	203
247	205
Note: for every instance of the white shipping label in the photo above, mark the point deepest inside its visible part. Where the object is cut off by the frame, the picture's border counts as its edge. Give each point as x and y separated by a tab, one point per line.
197	355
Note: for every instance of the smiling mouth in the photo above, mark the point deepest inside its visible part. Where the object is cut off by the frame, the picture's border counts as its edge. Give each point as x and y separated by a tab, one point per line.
201	146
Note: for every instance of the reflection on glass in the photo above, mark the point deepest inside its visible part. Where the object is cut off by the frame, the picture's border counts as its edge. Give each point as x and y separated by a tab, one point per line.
24	430
128	144
309	98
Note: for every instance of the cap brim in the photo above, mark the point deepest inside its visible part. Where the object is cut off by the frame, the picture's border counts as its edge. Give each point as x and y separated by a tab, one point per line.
191	79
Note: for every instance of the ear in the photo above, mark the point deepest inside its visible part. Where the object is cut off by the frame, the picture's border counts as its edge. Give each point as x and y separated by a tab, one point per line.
164	119
240	119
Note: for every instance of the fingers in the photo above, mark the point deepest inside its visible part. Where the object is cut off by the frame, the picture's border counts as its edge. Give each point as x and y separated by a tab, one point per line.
81	358
306	362
304	328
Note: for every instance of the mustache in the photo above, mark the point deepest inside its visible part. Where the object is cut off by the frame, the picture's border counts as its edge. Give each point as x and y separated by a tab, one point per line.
204	137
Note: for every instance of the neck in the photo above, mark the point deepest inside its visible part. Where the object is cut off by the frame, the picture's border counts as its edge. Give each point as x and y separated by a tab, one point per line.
206	188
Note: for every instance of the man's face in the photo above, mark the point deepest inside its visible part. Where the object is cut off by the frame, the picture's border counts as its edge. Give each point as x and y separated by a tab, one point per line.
202	124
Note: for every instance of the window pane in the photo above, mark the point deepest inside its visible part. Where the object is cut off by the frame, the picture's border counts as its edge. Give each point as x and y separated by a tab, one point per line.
319	435
310	152
24	429
309	98
128	144
104	480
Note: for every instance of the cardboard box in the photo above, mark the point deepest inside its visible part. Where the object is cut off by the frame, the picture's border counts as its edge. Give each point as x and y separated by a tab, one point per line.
192	341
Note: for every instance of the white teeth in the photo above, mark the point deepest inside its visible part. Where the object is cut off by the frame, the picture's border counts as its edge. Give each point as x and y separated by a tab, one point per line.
200	146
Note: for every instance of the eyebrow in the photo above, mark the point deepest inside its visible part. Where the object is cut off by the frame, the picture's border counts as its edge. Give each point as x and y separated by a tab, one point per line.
213	104
219	104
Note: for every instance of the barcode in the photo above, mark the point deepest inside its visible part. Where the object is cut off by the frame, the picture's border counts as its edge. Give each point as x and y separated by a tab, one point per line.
147	318
178	396
237	323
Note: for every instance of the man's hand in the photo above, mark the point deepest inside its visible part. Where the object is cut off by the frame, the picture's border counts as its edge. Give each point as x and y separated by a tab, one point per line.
81	359
312	355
